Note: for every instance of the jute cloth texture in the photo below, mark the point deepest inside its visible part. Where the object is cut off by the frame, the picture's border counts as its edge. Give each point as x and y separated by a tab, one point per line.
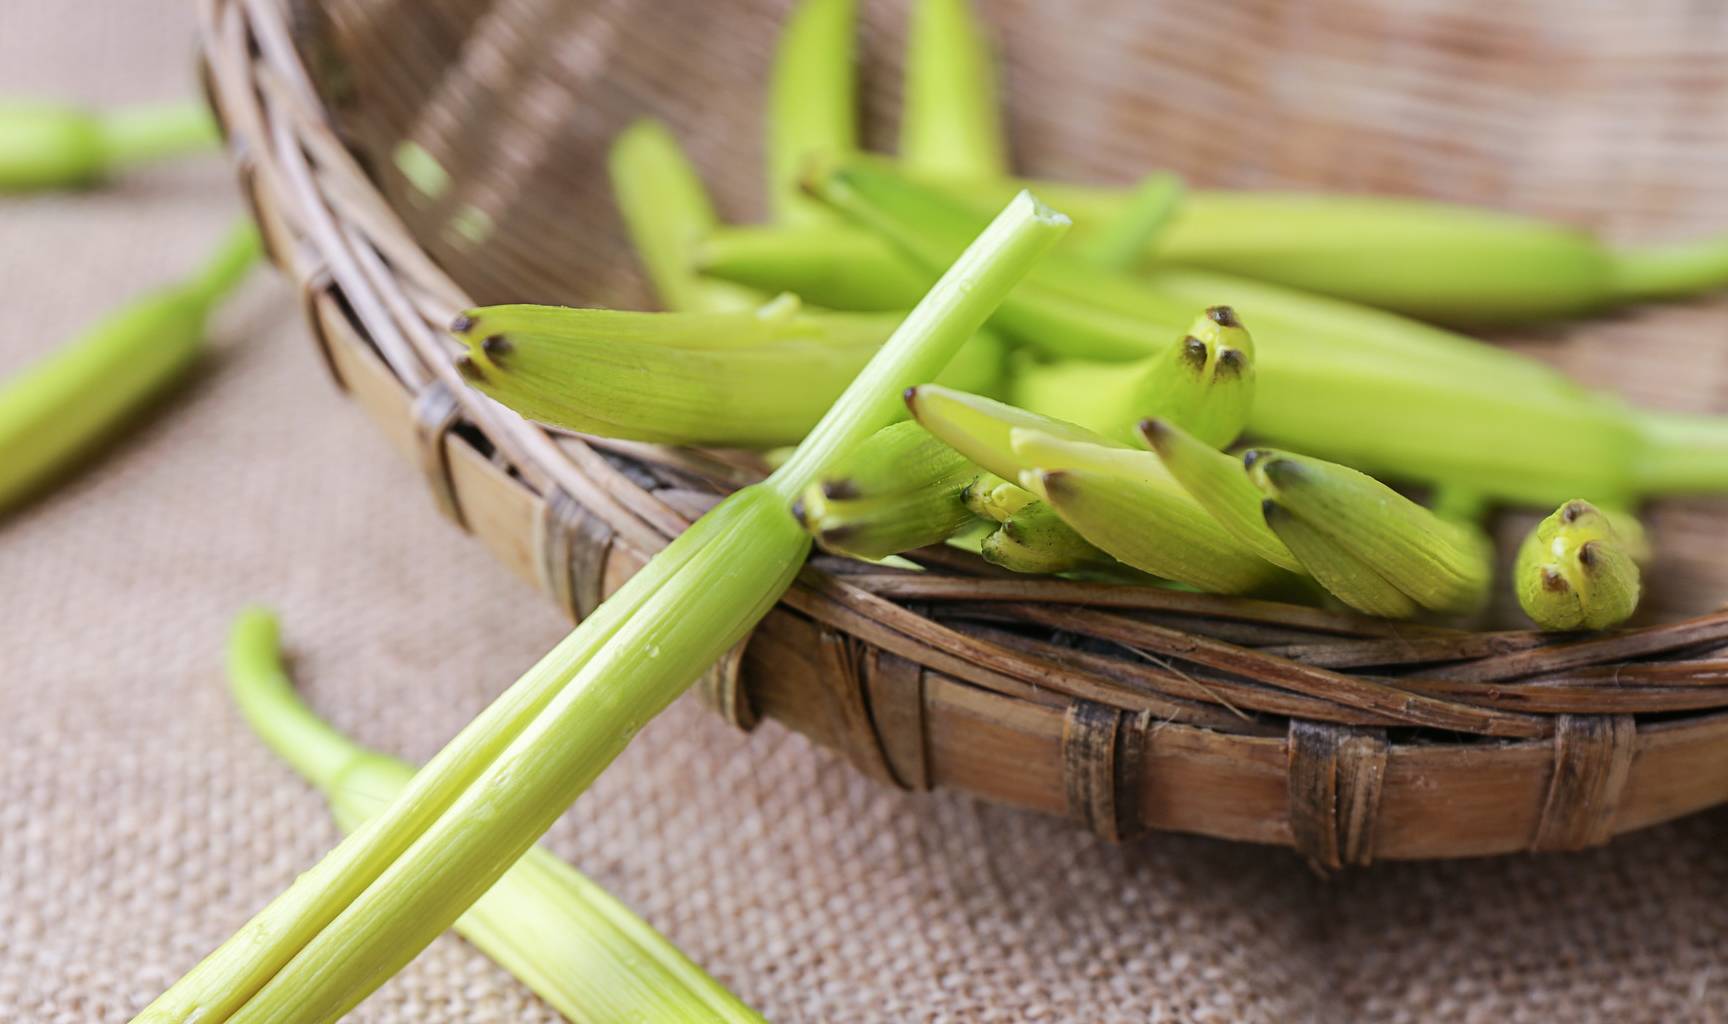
140	822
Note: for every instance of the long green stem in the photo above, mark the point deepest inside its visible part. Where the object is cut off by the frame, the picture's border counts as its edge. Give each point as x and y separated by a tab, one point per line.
965	297
1676	270
1681	454
142	134
382	894
570	941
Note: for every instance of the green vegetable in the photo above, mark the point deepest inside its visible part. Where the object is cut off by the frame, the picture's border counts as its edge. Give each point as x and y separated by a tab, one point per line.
1439	261
1578	569
1202	381
377	899
812	105
1217	481
1374	549
900	490
1346	383
743	379
1120	500
951	123
667	211
565	937
1123	243
1029	536
49	145
57	411
818	262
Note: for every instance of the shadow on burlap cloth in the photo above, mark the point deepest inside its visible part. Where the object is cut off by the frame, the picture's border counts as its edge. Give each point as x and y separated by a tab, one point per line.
140	822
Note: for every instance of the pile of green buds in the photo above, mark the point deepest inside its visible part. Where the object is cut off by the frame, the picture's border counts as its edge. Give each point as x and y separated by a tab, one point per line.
1192	390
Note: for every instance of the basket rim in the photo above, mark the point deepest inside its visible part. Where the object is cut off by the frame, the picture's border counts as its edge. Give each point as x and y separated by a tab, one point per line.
1343	728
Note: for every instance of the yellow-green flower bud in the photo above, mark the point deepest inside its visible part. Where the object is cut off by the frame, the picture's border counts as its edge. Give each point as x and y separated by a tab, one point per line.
1578	569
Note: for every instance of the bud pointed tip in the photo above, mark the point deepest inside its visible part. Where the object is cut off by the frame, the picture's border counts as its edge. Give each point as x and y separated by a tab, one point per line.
839	490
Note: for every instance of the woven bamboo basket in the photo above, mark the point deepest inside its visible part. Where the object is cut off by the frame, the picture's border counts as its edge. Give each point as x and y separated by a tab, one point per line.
1125	709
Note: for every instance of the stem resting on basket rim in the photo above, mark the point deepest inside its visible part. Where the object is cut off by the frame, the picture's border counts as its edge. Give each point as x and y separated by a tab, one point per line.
381	895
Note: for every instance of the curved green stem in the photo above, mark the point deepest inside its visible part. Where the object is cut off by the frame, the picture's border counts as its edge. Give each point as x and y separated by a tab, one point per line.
158	131
1669	271
230	264
565	937
267	698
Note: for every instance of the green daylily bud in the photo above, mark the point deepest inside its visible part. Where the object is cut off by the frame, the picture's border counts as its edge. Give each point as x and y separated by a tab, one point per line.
951	117
1120	500
1203	381
60	409
1029	535
43	146
743	379
1578	569
812	102
1222	487
1361	539
1035	539
900	490
667	212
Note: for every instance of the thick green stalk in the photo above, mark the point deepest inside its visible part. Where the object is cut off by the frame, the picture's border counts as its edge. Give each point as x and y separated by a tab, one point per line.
667	211
812	103
57	411
382	894
570	941
951	120
47	145
975	286
755	380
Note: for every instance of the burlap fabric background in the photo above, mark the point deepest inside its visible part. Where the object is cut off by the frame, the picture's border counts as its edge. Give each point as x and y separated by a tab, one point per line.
140	822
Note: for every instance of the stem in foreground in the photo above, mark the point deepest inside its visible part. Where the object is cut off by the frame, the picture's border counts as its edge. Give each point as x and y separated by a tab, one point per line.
565	937
385	892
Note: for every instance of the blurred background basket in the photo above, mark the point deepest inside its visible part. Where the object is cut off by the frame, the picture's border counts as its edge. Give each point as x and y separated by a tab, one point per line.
1125	709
